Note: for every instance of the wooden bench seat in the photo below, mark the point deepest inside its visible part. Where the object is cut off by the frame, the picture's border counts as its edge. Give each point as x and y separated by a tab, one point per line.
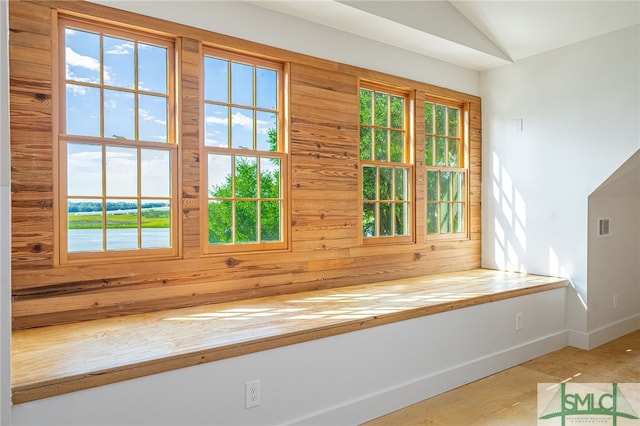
53	360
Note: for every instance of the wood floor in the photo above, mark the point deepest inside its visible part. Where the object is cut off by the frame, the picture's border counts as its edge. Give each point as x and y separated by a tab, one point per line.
510	397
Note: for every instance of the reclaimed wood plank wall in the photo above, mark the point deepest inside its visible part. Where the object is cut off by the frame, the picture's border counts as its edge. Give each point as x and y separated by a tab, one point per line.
325	249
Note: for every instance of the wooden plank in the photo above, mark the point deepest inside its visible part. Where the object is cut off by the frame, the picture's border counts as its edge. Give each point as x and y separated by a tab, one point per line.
53	360
29	18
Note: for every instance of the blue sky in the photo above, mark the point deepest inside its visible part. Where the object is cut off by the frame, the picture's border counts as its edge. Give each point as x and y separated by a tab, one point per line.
247	116
82	65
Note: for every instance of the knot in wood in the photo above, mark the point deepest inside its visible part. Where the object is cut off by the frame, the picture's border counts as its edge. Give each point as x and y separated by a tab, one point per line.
417	256
231	262
433	248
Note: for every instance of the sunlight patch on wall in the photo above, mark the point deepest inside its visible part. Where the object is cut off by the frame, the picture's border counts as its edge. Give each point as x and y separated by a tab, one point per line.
510	238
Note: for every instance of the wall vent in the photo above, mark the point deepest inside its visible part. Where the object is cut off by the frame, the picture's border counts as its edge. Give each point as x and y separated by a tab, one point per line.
605	227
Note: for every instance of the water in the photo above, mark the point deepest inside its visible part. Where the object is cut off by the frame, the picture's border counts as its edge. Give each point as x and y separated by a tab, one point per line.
81	240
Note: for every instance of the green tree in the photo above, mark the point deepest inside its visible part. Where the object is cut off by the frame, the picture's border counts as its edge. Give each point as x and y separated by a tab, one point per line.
382	139
253	217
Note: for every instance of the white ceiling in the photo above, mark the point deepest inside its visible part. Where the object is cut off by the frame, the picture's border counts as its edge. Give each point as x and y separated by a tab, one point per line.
474	34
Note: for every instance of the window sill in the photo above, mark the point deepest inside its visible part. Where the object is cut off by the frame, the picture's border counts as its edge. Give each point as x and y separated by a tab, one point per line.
54	360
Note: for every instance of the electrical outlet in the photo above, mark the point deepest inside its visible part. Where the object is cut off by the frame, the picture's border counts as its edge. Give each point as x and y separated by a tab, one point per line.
252	394
616	301
519	320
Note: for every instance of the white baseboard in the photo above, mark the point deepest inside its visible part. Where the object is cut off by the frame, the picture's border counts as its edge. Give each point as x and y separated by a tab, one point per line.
392	399
578	339
609	332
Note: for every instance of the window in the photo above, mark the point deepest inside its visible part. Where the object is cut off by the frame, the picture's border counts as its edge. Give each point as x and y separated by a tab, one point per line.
245	152
117	143
447	173
385	162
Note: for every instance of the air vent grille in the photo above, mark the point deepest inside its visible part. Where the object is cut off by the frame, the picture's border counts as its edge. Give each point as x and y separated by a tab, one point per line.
604	227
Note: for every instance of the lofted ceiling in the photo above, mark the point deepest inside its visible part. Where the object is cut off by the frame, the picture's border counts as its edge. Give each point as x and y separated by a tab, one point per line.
474	34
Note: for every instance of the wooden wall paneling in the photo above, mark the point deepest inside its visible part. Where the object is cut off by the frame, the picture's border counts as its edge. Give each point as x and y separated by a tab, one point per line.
31	135
326	249
190	58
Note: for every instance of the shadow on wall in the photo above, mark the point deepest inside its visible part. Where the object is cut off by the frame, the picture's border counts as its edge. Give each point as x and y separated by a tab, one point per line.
510	225
510	222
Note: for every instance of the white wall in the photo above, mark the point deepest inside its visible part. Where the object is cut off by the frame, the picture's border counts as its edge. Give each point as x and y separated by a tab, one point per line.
579	107
250	22
613	266
5	223
341	380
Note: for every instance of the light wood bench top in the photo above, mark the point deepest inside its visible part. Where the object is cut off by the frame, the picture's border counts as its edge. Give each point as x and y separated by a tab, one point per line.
58	359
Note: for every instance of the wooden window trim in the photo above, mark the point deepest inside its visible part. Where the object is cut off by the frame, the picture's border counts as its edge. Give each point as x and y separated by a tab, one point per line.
62	139
282	153
409	163
464	108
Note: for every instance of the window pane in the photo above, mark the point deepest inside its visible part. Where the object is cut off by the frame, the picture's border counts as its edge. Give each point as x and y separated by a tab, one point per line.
220	222
82	56
83	110
219	176
246	221
382	145
428	118
266	88
270	172
369	183
441	151
241	84
386	219
402	187
122	171
119	66
216	125
365	143
216	79
270	221
445	219
397	112
84	175
454	153
152	68
429	151
441	120
369	228
454	122
458	217
432	218
366	97
85	222
397	146
267	131
246	177
458	186
386	183
156	223
156	173
153	113
402	219
119	114
122	224
382	109
432	185
445	186
242	128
